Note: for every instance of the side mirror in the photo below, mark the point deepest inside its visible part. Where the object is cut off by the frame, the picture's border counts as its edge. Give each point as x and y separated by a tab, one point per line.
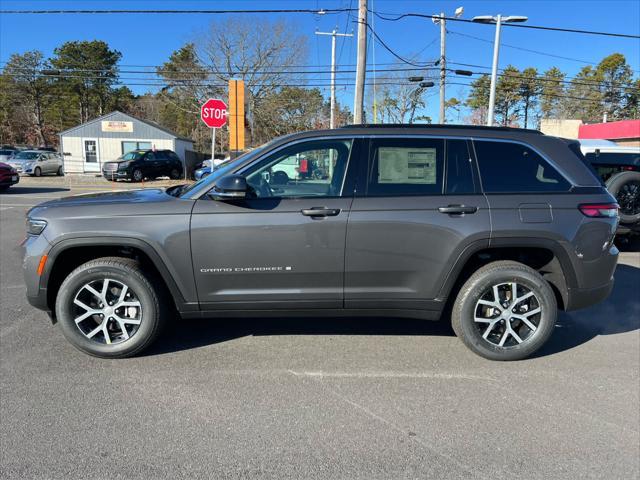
229	187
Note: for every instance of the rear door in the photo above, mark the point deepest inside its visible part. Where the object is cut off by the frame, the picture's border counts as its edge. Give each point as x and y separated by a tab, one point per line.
529	197
283	247
152	165
412	218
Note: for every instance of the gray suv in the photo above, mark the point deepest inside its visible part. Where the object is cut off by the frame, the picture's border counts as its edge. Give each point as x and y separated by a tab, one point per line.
494	228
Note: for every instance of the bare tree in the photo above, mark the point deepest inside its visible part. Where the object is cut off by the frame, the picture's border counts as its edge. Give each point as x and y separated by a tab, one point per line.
263	53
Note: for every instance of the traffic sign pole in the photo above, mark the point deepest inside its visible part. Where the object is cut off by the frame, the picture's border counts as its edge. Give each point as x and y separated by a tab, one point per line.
213	146
214	114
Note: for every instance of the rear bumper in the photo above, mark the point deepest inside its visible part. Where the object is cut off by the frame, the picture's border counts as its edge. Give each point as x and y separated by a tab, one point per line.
585	297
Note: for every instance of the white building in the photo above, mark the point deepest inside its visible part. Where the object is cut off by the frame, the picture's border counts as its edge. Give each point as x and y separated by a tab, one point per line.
86	147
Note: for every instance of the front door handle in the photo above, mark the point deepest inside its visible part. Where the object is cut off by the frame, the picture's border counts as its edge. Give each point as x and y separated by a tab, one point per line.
457	209
320	212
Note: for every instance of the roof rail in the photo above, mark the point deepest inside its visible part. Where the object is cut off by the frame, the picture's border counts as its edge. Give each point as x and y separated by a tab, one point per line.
437	125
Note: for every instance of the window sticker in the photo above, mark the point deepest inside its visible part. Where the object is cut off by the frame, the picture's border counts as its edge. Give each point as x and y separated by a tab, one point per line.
407	165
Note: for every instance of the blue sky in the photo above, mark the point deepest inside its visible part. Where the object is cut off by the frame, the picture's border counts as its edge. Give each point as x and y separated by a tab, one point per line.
150	39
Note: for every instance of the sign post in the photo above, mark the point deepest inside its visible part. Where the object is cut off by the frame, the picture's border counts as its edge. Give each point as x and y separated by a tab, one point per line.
214	114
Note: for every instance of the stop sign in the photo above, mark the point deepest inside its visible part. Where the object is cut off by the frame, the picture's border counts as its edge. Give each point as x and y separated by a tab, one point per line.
214	113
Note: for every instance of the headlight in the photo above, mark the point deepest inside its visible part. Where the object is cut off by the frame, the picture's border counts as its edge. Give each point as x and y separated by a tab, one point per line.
27	165
35	227
123	165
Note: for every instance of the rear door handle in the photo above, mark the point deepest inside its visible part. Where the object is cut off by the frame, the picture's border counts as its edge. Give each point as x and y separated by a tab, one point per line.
320	212
457	209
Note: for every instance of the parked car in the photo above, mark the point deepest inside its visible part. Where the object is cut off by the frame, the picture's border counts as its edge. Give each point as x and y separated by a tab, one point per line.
37	163
8	176
206	170
140	164
619	168
499	226
7	153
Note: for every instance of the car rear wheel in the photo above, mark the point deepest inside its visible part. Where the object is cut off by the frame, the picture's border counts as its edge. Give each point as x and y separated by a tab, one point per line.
137	175
60	172
175	174
505	311
110	308
625	186
37	172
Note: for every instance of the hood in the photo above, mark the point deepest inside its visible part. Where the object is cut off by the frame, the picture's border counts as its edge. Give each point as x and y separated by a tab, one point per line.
117	160
143	195
126	203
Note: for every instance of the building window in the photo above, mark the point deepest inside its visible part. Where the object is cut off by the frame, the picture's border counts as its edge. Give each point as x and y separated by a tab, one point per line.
131	146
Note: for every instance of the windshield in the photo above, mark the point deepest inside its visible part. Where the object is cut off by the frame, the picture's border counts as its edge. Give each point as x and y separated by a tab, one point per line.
27	156
131	156
224	168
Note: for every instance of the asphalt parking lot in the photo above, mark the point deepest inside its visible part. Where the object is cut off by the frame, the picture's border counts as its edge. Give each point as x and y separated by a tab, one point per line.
305	398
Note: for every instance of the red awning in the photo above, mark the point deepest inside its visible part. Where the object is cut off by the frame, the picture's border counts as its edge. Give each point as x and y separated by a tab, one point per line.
611	130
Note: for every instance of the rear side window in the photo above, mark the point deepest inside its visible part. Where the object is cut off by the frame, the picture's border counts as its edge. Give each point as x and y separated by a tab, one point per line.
459	168
407	166
507	167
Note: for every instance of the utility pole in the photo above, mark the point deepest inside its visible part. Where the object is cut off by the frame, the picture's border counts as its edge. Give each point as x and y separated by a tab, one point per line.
334	34
441	19
443	71
361	65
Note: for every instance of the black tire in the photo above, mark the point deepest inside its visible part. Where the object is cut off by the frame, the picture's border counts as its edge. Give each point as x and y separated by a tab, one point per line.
147	292
60	171
466	304
137	175
175	174
37	172
625	186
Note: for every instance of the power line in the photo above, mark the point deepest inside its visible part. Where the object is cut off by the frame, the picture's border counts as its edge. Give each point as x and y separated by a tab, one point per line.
535	27
386	47
322	11
522	48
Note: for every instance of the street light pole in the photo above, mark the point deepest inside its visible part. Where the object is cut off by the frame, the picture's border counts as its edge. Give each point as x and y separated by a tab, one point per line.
334	34
494	72
498	20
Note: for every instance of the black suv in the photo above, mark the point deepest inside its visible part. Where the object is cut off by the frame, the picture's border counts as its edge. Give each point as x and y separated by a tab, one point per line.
492	228
142	164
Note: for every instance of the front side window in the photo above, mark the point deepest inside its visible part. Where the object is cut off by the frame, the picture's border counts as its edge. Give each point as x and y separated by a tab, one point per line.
408	166
310	169
27	156
507	167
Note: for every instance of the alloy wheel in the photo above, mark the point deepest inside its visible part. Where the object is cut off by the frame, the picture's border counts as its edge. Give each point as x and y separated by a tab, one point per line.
107	311
508	314
628	198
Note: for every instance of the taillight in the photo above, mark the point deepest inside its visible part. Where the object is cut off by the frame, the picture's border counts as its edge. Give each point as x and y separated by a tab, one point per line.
599	210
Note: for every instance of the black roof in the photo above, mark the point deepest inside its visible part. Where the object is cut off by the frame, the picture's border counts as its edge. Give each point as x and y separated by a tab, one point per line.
440	126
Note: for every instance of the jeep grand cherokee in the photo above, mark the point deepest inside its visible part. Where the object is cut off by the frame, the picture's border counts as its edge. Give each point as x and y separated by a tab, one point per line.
495	228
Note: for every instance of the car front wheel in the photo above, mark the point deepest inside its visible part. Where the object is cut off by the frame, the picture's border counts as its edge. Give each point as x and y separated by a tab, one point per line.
504	311
110	308
137	175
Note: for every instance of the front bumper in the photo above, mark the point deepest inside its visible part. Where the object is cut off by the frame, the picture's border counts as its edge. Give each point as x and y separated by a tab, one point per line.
9	180
115	174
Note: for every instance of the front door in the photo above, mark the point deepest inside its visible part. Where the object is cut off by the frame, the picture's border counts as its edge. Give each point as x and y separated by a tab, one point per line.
91	158
419	208
283	246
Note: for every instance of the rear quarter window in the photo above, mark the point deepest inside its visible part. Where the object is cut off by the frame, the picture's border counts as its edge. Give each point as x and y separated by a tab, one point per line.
509	167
